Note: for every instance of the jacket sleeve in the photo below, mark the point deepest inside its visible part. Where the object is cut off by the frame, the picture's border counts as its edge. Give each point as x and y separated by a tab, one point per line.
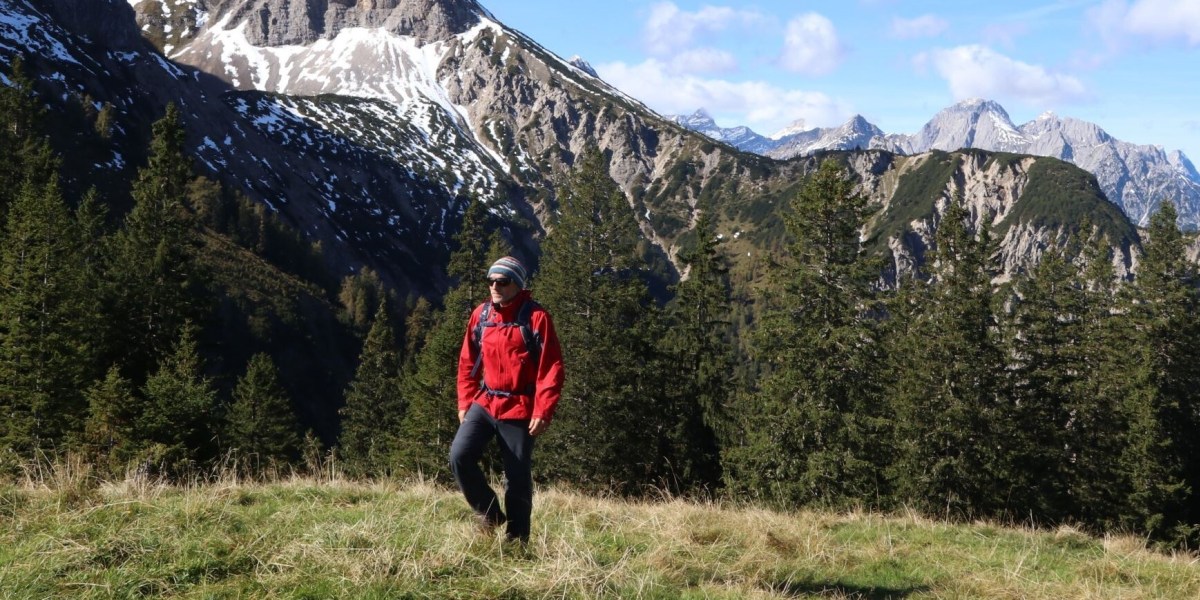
468	387
550	374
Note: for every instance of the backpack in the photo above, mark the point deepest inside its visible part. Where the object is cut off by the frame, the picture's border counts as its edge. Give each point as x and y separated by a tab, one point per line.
533	342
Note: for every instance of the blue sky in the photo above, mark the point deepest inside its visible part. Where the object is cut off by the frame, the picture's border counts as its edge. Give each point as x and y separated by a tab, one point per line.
1130	66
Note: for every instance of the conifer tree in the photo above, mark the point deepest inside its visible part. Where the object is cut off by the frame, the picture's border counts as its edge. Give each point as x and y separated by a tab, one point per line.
109	439
44	360
1045	349
370	440
474	244
812	426
1096	433
1163	375
360	296
611	421
155	283
262	424
699	346
944	382
432	418
26	155
181	415
418	324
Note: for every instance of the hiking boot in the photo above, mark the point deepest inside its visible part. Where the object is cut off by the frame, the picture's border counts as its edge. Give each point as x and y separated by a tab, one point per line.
487	525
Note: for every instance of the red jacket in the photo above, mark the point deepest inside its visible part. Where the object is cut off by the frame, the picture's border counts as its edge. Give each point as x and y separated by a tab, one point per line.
508	366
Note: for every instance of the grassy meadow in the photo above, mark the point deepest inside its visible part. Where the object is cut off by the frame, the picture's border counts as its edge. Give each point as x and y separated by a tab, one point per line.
64	535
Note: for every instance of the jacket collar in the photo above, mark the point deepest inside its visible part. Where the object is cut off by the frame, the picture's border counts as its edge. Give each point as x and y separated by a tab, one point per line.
511	310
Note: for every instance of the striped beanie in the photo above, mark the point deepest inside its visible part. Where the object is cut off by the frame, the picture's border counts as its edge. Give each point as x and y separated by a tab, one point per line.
511	268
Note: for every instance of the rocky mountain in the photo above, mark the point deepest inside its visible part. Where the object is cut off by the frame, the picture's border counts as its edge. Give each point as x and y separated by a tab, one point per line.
1135	177
855	134
740	137
370	124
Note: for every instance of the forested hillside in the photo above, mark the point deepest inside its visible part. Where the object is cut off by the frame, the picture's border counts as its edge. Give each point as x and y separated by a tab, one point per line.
195	328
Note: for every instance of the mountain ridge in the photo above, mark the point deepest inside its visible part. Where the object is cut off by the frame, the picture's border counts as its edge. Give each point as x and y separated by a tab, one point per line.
1135	177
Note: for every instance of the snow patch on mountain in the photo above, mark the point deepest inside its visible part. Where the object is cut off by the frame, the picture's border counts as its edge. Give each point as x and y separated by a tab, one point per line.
29	33
369	63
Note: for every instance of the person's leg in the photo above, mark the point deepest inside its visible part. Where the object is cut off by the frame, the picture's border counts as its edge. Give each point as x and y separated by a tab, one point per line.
516	451
474	433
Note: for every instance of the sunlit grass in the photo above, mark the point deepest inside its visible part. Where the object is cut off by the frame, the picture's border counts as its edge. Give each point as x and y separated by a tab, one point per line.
66	535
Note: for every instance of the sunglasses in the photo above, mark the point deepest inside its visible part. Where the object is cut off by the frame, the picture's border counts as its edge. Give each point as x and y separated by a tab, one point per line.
502	282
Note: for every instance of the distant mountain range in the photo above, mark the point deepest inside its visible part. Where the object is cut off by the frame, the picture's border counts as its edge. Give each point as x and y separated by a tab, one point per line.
1135	177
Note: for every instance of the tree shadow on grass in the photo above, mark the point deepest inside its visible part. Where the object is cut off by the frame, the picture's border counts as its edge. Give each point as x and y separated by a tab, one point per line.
806	589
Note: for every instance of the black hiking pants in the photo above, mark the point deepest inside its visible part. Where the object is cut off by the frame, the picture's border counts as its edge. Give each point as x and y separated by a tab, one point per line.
516	453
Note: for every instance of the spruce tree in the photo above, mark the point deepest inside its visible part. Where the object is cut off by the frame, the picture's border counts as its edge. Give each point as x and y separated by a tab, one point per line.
1096	431
262	424
1163	375
1045	338
26	155
698	344
110	439
370	441
944	382
812	427
611	420
181	415
44	313
154	281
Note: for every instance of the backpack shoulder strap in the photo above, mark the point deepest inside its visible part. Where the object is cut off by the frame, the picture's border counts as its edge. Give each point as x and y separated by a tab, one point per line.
533	342
477	336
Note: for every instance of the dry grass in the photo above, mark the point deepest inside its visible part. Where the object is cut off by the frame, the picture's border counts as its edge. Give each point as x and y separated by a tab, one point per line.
66	534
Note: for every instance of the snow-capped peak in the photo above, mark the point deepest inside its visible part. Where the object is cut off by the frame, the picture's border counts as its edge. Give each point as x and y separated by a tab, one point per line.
579	63
793	128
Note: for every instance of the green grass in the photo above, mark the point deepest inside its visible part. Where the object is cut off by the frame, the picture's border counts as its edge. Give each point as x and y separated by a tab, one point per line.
308	538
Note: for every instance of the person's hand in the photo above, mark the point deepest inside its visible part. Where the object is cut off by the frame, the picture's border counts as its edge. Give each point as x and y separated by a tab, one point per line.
537	426
462	414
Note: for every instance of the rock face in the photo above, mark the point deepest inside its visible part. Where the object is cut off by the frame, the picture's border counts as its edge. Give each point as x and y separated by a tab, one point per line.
970	124
302	22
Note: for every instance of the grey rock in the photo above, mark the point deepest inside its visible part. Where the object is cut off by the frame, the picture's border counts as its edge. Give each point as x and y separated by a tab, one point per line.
302	22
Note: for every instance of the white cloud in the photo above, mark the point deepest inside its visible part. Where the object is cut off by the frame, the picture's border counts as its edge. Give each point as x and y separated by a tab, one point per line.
978	71
703	60
1155	21
669	29
760	105
919	27
811	46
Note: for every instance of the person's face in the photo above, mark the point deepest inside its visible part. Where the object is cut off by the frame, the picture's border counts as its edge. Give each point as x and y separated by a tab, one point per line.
503	289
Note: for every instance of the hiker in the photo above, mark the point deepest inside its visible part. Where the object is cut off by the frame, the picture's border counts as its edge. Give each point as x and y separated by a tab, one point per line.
510	376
